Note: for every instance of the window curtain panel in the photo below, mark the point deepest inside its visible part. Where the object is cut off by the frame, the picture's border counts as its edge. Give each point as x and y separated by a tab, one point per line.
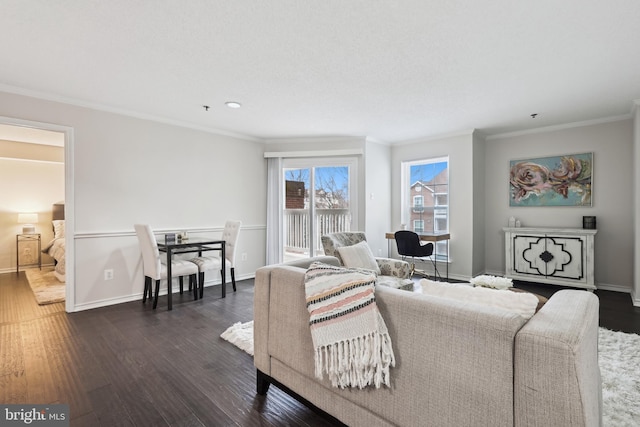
274	210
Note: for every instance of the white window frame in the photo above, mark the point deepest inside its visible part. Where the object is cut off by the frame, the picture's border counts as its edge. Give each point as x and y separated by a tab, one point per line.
315	162
406	197
405	189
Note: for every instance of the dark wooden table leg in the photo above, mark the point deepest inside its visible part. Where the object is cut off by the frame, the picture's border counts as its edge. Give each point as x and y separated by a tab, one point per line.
224	272
169	280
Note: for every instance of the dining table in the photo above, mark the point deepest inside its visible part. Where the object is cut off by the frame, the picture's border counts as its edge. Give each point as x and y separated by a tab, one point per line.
197	245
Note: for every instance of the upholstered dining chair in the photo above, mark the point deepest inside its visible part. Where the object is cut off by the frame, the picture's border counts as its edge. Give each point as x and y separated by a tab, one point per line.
154	268
214	262
409	246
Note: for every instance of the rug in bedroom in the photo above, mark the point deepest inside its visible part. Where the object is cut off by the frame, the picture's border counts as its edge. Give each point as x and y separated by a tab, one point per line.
618	358
45	286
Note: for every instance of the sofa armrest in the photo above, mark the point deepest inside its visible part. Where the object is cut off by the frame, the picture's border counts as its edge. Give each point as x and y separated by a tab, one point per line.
556	363
394	267
261	297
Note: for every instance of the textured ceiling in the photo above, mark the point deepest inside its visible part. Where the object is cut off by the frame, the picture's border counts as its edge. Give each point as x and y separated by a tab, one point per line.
389	70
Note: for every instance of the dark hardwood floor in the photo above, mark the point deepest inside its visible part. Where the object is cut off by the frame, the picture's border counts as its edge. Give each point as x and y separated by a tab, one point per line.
128	365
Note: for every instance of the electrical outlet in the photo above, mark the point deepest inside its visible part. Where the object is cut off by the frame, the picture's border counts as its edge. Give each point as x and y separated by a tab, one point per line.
244	256
108	274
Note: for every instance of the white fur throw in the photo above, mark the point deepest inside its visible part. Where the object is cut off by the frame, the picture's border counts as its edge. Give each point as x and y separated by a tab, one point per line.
491	282
521	303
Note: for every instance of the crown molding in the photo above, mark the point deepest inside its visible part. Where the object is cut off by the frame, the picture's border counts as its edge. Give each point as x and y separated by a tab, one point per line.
559	127
135	114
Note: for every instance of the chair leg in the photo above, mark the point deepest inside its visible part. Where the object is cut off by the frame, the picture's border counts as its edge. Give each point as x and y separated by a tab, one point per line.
147	288
222	283
233	278
155	300
193	285
181	284
436	273
201	285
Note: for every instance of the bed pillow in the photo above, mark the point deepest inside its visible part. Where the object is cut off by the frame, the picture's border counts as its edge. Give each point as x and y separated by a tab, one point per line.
358	256
521	303
58	228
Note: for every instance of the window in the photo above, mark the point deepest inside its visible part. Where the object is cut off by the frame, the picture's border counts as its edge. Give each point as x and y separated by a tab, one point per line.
418	203
317	201
427	212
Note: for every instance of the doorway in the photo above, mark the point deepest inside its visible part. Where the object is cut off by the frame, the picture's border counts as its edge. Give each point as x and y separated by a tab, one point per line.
66	134
319	197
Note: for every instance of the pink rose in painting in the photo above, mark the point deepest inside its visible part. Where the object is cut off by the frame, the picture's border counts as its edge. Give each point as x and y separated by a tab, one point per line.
568	170
529	178
567	175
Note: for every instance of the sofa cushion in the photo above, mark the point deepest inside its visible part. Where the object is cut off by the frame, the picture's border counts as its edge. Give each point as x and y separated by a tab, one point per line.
359	256
521	303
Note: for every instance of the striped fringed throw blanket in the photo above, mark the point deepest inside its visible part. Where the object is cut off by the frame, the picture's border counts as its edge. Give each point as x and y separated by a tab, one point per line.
350	338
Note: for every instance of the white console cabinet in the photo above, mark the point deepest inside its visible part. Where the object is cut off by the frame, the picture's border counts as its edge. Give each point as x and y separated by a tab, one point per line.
560	256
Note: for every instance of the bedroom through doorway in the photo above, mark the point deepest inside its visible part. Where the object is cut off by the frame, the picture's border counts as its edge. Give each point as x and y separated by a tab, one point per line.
34	209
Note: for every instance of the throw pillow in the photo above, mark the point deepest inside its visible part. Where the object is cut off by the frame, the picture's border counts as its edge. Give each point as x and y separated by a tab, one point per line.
359	256
58	228
521	303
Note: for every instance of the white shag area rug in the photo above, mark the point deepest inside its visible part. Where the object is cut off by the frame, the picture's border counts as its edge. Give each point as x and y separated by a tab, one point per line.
619	358
45	286
241	335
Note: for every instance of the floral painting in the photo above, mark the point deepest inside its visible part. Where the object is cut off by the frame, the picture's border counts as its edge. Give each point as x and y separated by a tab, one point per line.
551	181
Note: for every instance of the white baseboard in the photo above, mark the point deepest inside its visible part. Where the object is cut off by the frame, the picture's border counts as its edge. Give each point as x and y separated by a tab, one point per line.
13	270
614	288
635	299
138	296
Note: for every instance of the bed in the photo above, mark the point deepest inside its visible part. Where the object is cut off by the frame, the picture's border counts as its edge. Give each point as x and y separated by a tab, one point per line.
56	247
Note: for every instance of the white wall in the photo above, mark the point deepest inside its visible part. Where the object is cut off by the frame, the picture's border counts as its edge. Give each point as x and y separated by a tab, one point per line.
479	198
460	150
377	196
129	170
635	293
611	144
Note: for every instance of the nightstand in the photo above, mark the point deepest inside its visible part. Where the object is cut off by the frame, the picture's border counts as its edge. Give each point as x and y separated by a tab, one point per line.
28	251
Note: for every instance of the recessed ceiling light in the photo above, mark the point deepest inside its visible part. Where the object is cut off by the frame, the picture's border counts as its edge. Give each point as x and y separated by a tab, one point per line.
233	104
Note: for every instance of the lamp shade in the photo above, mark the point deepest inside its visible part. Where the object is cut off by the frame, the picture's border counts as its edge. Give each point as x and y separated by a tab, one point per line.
28	219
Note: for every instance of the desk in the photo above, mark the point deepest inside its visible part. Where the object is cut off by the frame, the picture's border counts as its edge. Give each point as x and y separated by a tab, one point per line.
192	245
427	237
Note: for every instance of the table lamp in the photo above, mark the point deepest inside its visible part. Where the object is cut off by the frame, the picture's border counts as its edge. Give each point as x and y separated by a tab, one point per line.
28	219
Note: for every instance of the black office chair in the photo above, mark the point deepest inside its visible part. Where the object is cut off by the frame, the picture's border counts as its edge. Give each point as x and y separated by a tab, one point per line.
409	246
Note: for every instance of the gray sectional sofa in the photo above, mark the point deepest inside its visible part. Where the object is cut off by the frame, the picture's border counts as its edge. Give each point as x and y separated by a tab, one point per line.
457	364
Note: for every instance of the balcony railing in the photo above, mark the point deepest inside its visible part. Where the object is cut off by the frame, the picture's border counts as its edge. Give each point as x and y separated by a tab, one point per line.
296	225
